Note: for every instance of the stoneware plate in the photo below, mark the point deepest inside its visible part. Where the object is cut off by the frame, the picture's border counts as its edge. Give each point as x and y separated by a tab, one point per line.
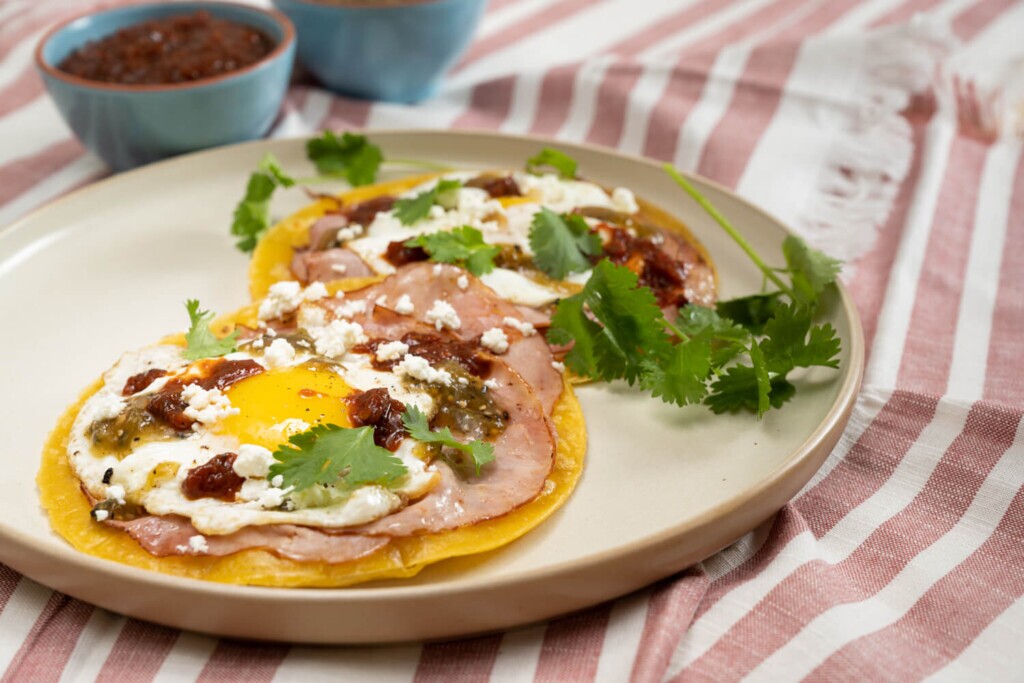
106	269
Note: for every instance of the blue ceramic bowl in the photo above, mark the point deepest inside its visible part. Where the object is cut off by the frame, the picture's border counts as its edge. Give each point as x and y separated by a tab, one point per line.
392	50
130	125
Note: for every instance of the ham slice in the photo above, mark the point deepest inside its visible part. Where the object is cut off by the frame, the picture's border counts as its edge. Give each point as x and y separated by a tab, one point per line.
524	455
700	278
325	266
324	230
169	535
479	309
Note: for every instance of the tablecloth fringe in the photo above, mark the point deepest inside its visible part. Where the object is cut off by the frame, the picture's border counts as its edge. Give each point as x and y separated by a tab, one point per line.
872	150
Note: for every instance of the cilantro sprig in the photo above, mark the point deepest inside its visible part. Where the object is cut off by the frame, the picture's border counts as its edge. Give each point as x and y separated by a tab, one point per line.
349	156
562	244
550	158
252	214
331	455
200	341
413	209
478	452
735	357
464	246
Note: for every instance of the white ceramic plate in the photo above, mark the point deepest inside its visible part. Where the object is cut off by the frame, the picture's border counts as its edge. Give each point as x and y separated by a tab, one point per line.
106	269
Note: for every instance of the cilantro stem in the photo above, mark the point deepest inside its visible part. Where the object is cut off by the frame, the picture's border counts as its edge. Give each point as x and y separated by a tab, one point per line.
727	226
676	331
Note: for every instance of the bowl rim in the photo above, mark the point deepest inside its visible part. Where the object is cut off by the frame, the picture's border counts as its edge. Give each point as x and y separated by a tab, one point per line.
359	4
283	45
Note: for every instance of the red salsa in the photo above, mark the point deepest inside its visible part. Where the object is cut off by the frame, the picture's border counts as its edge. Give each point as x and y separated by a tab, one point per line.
177	49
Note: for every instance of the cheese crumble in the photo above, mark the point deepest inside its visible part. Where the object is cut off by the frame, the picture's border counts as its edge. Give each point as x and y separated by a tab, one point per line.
404	305
392	350
419	368
252	461
495	339
442	314
206	406
334	340
284	297
524	328
278	354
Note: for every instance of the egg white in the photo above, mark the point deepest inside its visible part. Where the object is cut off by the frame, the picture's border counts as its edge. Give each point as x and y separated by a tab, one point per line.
325	507
499	224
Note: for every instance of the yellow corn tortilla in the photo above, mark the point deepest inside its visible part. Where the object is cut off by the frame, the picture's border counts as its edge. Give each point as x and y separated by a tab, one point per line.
271	261
69	509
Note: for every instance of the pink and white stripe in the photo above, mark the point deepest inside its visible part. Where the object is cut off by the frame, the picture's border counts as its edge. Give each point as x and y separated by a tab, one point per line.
903	558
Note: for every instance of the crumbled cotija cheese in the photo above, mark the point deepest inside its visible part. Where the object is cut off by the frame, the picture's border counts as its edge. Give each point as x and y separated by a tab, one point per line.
285	297
334	340
206	406
404	305
495	339
420	368
311	315
442	314
526	329
252	461
392	350
279	353
349	233
350	308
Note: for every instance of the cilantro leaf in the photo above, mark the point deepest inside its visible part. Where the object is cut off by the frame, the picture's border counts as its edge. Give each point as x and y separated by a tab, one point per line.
810	270
696	320
734	357
750	312
460	245
201	342
328	454
349	156
631	325
252	214
787	346
552	158
749	387
413	209
479	452
561	244
681	377
270	166
571	325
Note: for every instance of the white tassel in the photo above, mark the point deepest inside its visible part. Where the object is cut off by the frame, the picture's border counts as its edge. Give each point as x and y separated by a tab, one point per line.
873	150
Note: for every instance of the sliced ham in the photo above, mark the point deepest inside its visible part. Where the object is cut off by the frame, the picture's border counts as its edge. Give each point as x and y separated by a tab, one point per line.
523	457
479	309
324	266
169	535
700	278
324	230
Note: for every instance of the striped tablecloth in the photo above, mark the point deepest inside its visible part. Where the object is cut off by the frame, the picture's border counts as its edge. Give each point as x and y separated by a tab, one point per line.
887	132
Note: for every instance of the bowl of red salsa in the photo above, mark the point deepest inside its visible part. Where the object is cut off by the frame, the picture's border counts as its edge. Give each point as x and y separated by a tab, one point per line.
142	83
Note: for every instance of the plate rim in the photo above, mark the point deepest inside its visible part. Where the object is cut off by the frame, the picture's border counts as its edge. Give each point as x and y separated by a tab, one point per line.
838	413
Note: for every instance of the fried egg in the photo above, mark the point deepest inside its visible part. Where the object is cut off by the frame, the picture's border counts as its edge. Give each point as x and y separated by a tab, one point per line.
503	221
122	456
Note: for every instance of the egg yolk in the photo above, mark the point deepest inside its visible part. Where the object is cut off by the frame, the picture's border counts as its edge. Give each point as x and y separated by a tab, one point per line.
511	201
276	404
